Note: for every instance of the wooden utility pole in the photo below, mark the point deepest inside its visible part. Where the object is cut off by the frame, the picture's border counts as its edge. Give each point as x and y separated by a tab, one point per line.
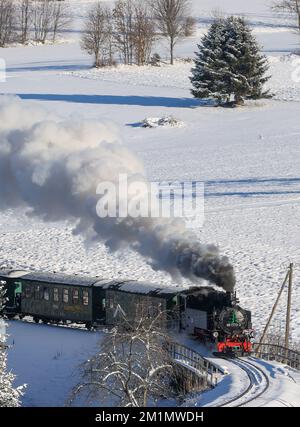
289	304
273	311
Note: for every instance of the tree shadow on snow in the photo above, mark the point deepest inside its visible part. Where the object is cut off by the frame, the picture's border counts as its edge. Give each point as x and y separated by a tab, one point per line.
40	66
271	187
143	101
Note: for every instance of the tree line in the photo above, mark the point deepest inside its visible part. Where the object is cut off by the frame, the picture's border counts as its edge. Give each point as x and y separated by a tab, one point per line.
127	31
39	20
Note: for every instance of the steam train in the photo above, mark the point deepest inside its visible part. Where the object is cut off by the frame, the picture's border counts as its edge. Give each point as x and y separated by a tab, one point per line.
204	312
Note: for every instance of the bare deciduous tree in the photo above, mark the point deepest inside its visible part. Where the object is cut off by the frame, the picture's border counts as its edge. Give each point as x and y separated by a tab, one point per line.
143	33
7	21
127	29
290	6
24	19
41	20
98	34
133	368
61	20
49	18
123	15
173	20
134	31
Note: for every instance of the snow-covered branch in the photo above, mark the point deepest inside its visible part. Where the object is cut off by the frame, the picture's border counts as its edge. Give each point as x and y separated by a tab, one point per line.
134	367
9	396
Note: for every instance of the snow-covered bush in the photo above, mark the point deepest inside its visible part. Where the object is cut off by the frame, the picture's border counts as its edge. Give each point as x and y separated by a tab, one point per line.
229	66
133	368
9	396
154	122
155	60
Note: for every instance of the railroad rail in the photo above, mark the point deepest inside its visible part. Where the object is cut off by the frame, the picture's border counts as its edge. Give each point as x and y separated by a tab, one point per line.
278	353
257	386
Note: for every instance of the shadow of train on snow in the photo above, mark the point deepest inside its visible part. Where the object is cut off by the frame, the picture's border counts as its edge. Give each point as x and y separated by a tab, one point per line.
143	101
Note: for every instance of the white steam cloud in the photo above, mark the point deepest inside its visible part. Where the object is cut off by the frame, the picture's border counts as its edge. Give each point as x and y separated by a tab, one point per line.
53	167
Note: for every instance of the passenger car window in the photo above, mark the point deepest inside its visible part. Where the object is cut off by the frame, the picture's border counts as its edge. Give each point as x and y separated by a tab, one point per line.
46	294
66	296
28	292
55	295
85	297
37	292
175	300
75	296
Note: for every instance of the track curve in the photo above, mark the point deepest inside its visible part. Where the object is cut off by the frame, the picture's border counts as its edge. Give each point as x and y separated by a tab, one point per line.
258	384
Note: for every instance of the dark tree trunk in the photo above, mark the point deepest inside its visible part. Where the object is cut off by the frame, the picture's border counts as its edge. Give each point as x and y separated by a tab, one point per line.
172	52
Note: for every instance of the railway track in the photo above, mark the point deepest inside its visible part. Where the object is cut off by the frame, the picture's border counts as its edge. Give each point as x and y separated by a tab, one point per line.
258	384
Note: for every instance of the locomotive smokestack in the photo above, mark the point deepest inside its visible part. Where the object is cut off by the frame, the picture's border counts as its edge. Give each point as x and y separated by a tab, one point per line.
53	166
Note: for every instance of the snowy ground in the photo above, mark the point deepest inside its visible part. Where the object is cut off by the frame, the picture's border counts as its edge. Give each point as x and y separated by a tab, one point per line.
249	159
283	390
47	358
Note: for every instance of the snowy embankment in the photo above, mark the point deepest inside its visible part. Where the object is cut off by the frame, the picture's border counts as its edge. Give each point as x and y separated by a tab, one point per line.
284	71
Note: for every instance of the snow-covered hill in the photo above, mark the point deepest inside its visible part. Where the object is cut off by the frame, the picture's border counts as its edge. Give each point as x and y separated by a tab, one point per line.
248	157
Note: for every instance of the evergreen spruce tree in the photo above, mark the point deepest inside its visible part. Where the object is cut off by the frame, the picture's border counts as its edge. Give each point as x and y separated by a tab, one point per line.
229	66
9	396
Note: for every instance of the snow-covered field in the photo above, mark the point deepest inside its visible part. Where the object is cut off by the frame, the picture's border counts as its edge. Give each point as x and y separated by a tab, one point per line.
248	157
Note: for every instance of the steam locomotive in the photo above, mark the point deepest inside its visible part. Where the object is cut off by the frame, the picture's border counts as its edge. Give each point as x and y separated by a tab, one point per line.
204	312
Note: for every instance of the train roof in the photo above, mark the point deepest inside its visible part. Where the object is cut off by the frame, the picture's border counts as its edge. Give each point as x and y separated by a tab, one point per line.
61	278
121	285
12	274
137	287
58	278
